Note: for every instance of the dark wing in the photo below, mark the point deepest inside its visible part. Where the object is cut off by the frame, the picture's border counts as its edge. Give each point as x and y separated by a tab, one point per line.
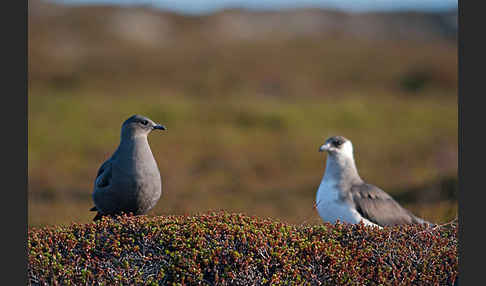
103	177
103	180
379	207
106	164
103	167
102	183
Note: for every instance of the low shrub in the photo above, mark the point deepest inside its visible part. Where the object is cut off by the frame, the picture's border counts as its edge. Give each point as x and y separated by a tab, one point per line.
233	249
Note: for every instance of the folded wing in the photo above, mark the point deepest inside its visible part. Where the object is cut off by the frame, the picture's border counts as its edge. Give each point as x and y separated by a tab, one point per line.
104	176
102	182
379	207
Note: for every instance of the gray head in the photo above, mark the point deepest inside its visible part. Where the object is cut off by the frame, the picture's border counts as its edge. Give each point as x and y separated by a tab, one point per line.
138	125
340	161
338	146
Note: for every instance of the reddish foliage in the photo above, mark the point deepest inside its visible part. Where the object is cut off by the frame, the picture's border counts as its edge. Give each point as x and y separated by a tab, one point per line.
233	249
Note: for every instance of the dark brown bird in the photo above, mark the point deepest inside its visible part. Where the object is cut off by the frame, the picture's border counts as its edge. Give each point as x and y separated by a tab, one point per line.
129	181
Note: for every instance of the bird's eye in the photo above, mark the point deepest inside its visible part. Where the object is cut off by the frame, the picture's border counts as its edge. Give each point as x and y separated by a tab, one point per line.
338	143
144	122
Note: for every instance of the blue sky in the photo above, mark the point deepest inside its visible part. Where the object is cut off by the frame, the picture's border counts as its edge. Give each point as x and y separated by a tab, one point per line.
205	6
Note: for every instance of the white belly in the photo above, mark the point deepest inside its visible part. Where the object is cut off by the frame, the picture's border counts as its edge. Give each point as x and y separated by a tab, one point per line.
331	209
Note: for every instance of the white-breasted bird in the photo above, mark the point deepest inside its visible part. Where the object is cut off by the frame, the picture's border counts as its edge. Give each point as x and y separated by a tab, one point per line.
344	196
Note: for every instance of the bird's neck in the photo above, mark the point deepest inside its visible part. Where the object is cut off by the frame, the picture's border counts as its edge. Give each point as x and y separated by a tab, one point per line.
341	169
135	146
128	135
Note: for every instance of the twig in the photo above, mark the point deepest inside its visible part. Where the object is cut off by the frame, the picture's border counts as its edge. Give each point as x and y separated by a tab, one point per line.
436	227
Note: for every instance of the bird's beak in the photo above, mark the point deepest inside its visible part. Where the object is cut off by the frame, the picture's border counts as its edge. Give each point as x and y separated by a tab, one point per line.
160	127
324	147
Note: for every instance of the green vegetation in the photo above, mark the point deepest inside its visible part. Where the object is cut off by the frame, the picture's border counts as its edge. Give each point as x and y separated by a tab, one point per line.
246	106
247	98
253	154
234	249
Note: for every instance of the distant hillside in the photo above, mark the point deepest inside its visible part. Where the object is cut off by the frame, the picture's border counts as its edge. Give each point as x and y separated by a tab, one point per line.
146	24
71	45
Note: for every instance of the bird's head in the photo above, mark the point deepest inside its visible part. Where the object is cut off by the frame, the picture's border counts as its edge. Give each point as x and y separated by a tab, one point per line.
138	125
338	146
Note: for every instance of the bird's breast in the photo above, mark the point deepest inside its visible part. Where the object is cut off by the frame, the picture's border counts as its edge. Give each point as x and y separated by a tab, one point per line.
330	207
136	171
328	191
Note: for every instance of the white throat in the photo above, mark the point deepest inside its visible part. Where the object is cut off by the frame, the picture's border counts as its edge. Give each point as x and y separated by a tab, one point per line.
340	174
340	165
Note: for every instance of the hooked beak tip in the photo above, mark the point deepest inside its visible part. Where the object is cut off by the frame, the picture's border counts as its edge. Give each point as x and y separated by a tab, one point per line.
160	127
323	148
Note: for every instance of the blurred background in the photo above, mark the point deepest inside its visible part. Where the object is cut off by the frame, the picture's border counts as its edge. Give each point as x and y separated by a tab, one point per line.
248	90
